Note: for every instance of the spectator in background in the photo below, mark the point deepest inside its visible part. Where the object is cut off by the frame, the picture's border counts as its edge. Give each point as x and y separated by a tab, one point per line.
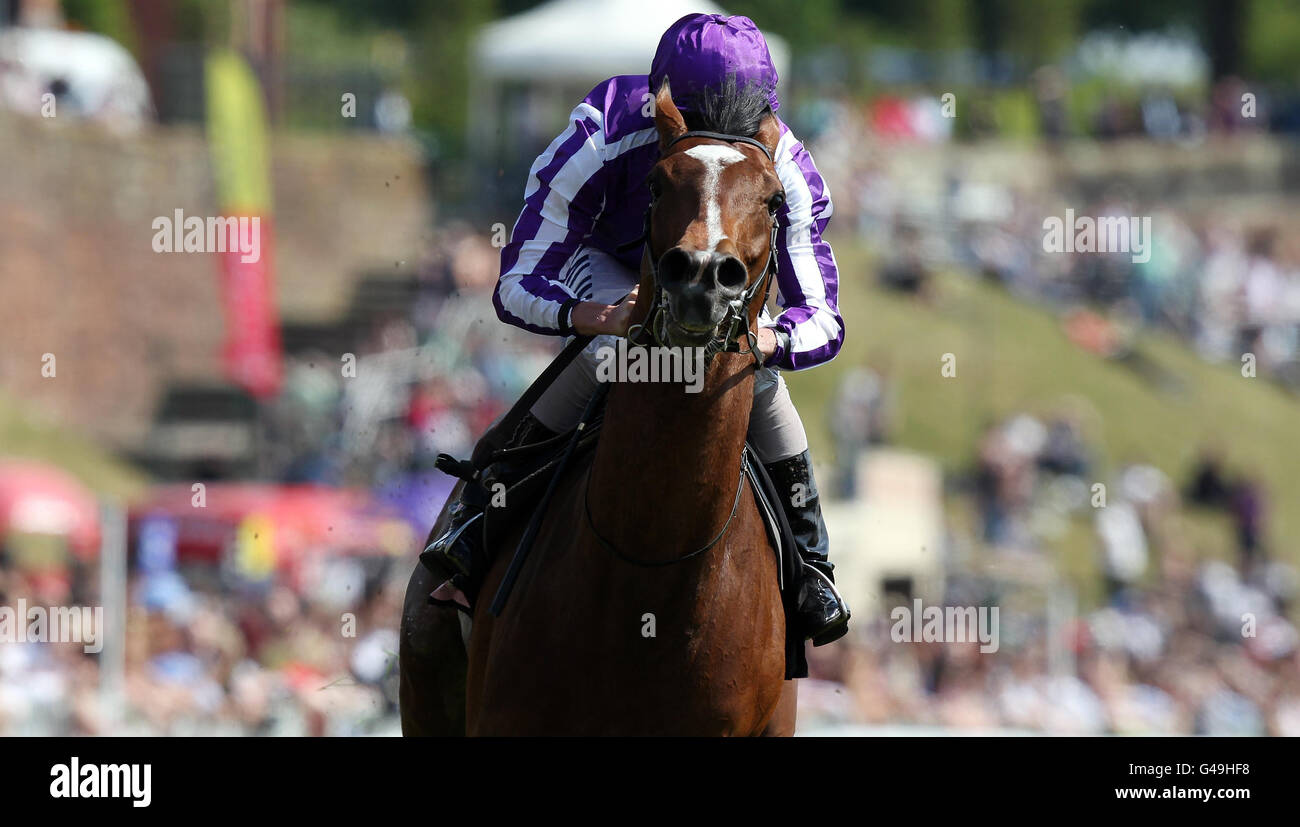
1063	450
1123	547
1246	505
1049	87
1208	486
906	270
1262	291
1226	106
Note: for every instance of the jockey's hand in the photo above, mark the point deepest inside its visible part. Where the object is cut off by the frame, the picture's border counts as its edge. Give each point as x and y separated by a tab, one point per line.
766	342
595	318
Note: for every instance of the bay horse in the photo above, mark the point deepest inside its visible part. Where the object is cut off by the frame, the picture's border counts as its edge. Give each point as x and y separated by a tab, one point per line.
622	620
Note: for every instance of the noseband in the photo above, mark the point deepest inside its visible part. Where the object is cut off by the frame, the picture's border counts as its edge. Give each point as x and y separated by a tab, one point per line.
734	326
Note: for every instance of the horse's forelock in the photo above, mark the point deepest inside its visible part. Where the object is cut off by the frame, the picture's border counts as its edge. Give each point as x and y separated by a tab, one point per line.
729	108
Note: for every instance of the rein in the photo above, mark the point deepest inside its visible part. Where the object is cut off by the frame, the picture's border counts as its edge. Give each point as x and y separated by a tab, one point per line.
656	326
652	564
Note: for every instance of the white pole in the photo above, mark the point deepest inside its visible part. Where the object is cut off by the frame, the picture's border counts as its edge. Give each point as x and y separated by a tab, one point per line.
1061	609
112	594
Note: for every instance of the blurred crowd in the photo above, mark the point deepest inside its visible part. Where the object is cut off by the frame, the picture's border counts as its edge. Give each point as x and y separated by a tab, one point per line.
1182	642
203	657
1229	286
1228	289
1198	651
433	369
1169	660
1185	639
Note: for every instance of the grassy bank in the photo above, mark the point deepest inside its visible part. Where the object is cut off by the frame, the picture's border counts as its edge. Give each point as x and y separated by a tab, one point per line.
1161	408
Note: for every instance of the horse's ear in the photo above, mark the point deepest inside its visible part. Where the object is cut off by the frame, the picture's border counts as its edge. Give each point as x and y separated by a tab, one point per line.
769	133
668	119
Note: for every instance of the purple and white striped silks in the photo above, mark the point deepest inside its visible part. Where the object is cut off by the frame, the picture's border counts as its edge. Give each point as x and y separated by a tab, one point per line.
589	187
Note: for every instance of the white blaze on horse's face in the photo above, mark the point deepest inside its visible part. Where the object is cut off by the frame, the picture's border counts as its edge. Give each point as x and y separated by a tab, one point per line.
714	157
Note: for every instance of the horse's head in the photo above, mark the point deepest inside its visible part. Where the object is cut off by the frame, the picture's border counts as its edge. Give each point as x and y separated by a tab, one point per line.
711	240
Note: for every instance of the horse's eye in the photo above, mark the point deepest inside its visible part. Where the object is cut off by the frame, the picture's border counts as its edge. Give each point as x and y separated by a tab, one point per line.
774	203
655	192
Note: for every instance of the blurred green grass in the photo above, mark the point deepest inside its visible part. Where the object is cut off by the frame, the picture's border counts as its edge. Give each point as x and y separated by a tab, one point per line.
1012	357
24	436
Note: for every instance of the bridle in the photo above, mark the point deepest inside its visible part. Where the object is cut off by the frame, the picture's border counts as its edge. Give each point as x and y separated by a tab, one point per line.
736	321
734	327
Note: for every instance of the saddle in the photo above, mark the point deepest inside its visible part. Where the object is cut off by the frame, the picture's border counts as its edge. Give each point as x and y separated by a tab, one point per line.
524	500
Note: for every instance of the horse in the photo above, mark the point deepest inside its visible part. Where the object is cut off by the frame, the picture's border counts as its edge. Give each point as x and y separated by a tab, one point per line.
650	601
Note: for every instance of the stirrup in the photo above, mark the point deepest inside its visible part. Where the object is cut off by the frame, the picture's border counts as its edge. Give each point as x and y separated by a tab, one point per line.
451	550
833	632
837	628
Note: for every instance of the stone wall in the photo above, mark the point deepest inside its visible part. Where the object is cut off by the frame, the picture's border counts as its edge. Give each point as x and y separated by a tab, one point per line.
79	278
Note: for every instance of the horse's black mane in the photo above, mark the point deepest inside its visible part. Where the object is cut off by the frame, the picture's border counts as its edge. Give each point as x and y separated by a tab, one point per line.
730	110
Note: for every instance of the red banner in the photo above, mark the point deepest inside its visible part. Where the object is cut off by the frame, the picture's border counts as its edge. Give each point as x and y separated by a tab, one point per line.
251	355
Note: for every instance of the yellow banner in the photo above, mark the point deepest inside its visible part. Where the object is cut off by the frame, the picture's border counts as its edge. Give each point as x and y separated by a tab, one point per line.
237	135
255	556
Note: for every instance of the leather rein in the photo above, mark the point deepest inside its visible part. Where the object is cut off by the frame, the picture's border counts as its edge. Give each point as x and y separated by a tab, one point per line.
735	322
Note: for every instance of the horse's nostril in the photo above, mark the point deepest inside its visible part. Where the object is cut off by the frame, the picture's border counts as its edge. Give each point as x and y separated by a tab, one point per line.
732	274
675	267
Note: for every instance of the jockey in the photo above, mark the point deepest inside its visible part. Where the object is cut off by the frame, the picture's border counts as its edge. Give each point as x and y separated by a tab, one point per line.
567	267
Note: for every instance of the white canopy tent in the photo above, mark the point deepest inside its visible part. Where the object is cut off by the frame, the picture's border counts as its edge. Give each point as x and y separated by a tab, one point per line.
101	79
581	39
530	70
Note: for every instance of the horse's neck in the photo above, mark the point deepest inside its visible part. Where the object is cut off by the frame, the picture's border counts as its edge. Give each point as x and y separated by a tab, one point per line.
668	464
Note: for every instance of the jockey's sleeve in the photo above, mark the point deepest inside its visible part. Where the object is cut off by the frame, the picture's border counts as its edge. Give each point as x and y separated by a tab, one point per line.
807	277
562	201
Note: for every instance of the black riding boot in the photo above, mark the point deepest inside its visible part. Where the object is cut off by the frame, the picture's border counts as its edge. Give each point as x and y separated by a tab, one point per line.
821	612
460	548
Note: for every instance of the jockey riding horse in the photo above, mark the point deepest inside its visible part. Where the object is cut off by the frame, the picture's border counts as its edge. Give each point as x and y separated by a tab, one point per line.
569	271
